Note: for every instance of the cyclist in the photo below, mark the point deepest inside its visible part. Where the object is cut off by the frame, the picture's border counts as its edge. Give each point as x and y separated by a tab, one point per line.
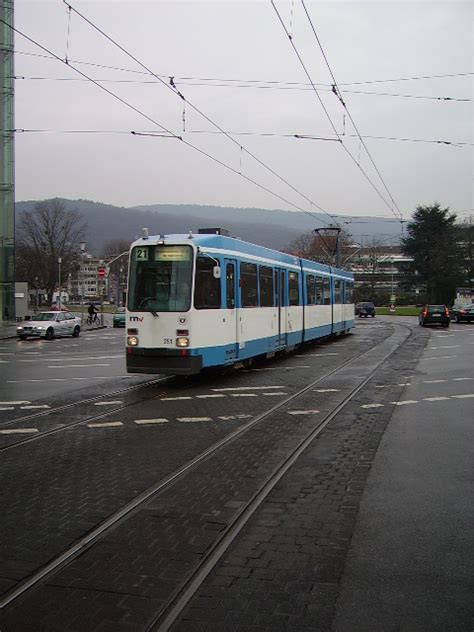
92	314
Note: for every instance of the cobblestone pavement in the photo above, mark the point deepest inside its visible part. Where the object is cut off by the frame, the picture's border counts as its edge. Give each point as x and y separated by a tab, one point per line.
294	546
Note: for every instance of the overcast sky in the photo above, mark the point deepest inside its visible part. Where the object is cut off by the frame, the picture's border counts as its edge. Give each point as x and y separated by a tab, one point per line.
201	44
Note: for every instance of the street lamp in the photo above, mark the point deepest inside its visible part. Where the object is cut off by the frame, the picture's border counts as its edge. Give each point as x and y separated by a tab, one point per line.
59	284
82	247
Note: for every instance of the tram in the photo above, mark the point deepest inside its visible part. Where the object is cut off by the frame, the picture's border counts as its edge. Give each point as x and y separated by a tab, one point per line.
208	300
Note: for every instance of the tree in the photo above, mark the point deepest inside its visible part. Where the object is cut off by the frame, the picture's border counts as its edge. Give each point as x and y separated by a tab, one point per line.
115	247
433	242
49	232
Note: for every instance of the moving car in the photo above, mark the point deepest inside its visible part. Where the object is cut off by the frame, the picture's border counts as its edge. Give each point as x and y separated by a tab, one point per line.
50	324
434	314
465	313
119	317
365	309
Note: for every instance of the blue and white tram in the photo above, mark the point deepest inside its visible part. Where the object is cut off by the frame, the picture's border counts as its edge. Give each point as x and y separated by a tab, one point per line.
208	300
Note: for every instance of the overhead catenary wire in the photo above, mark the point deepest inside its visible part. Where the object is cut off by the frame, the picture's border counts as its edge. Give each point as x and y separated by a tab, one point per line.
163	128
305	88
336	90
172	86
451	143
250	81
290	39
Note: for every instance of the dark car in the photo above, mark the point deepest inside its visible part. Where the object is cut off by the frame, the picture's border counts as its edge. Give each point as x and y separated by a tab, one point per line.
119	317
465	313
365	309
434	314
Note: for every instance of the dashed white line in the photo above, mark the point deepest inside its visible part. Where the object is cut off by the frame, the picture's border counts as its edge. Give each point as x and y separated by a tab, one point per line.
107	424
243	394
245	388
406	401
191	419
174	399
434	381
326	390
372	406
462	379
75	366
274	393
33	407
145	422
15	403
111	403
303	412
463	396
434	399
19	431
214	395
6	408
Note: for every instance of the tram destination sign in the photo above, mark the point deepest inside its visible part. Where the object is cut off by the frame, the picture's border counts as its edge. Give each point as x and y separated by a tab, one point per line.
172	253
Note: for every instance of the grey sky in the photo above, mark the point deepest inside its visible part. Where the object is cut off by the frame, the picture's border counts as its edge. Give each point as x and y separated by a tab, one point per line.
363	41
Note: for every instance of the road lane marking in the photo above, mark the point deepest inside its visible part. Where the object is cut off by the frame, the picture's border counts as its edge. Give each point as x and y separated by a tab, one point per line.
245	388
462	379
434	381
33	407
174	399
80	357
372	406
112	403
7	408
406	401
463	396
107	424
434	399
191	419
19	431
210	396
243	394
303	412
326	390
146	422
274	393
76	366
15	403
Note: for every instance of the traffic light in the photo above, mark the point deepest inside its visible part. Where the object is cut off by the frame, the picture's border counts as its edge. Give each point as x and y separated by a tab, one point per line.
101	272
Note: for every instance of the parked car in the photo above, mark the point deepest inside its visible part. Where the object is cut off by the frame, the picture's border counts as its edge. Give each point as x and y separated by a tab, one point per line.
365	309
434	314
119	317
50	324
464	313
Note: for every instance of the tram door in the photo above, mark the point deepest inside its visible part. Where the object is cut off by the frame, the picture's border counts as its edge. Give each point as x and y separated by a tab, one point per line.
280	302
231	318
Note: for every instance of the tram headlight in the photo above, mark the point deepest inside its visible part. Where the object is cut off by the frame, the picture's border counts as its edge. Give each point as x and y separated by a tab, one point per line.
182	342
132	341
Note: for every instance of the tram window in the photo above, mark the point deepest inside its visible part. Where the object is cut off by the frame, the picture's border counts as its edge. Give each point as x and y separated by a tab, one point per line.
326	291
319	291
294	288
337	291
230	286
207	291
310	290
265	276
349	293
248	276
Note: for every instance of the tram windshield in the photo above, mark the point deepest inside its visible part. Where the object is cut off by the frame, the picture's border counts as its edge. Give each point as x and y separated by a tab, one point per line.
160	278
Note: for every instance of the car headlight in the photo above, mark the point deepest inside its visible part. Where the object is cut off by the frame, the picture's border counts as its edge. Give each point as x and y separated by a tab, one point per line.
132	341
19	328
182	342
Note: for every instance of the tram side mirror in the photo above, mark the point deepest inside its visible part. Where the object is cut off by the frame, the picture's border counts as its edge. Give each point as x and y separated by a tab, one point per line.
216	272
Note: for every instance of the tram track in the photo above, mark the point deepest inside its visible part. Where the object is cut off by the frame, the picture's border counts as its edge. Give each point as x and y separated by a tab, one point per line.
171	610
91	418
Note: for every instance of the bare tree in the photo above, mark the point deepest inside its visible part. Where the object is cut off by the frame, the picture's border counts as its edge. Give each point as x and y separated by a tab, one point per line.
114	247
44	235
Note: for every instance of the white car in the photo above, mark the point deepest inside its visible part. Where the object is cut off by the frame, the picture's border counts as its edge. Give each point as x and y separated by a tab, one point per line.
50	324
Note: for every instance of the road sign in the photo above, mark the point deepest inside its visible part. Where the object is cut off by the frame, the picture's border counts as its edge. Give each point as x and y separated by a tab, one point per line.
101	273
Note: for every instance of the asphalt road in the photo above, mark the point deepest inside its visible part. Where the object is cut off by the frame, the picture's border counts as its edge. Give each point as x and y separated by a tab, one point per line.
39	372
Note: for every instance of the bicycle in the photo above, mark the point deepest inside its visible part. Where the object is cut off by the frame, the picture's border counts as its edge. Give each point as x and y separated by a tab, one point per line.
93	320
